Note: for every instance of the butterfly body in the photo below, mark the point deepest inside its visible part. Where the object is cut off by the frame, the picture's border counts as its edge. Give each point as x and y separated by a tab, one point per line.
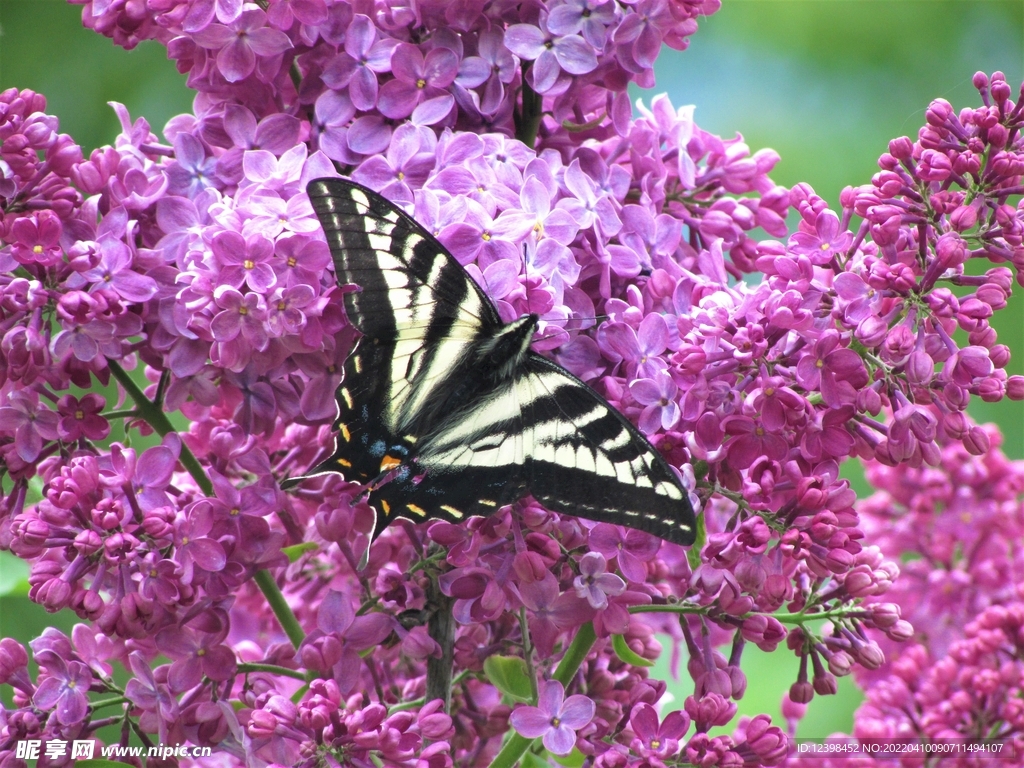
445	412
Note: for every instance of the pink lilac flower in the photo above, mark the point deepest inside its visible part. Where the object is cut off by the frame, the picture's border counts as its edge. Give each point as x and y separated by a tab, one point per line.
657	741
65	688
556	719
524	155
364	59
30	422
419	85
594	583
81	418
631	549
240	41
658	396
550	53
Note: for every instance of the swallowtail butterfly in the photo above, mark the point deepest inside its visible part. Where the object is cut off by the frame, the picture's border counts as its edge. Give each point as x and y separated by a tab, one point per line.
445	412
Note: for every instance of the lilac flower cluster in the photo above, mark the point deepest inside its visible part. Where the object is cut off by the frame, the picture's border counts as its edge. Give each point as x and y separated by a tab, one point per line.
959	680
192	271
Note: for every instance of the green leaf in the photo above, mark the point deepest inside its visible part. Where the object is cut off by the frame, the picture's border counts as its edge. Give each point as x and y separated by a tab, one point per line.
13	575
574	759
531	760
693	554
98	764
627	654
510	675
296	551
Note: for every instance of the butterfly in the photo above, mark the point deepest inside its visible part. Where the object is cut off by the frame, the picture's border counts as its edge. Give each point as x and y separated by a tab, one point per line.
445	412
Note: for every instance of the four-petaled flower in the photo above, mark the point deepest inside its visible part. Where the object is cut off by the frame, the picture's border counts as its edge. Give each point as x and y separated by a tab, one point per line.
550	53
555	719
655	741
240	42
419	85
594	583
65	689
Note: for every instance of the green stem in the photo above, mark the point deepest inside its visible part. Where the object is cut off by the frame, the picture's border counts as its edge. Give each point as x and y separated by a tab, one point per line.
529	122
283	612
574	656
517	745
785	618
128	413
107	702
524	628
272	669
297	696
687	609
800	618
158	420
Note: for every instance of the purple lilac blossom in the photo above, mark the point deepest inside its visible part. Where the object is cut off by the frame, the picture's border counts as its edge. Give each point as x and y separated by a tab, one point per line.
192	263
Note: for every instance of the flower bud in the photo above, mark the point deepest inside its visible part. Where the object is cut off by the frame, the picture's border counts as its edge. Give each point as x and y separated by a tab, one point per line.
998	135
884	615
934	166
88	542
990	389
860	582
871	331
825	684
334	524
1001	277
838	560
901	148
262	724
983	336
955	396
1015	388
938	112
801	692
87	603
870	655
964	218
869	400
901	631
840	663
899	343
1000	90
942	302
12	658
53	594
710	710
950	250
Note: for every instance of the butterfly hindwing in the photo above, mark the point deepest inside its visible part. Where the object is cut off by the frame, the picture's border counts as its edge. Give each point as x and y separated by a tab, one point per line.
587	459
444	412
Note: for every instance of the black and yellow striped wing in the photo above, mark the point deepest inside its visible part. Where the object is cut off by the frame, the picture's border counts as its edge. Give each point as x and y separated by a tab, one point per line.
445	412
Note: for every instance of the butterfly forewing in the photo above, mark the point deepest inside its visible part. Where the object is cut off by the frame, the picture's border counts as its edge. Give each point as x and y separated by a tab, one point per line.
442	416
401	269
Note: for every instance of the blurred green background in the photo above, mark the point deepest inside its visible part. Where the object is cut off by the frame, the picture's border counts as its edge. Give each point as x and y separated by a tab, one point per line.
826	83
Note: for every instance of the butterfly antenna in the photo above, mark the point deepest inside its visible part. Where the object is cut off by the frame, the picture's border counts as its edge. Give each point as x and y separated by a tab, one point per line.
526	275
